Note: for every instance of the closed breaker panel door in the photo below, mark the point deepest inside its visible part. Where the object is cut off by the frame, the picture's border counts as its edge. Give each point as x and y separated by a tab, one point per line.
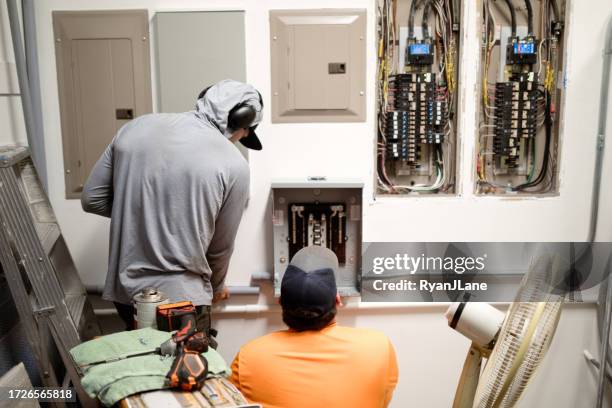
193	38
318	65
316	48
210	48
103	79
104	82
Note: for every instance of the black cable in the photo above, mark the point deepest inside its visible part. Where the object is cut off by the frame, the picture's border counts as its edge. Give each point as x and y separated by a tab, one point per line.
529	18
512	17
424	25
454	6
411	19
381	171
555	8
548	130
556	24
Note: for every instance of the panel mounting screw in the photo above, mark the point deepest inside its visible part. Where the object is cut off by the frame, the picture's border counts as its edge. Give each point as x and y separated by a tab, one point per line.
144	38
58	40
361	38
68	171
361	93
275	93
274	38
283	259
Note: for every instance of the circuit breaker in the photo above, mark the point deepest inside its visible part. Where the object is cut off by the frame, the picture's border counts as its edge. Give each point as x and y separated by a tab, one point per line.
418	48
521	77
322	212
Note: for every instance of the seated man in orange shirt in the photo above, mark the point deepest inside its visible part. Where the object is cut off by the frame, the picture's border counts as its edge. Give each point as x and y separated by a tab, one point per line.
316	363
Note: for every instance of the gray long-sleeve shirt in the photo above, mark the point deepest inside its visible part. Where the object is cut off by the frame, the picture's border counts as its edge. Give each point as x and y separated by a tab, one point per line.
175	189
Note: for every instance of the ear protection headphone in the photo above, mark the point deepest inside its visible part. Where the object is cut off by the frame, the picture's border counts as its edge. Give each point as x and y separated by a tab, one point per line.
240	116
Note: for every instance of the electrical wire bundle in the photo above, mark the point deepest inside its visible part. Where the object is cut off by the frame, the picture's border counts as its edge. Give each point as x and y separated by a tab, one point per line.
544	94
429	123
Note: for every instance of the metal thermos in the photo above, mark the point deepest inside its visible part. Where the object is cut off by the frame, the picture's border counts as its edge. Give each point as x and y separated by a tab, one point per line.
145	304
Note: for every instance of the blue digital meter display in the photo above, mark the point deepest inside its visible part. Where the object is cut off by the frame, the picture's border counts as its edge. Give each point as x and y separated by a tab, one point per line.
524	47
419	49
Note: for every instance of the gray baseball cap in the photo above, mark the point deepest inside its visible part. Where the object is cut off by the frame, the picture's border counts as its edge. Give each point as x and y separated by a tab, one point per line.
309	281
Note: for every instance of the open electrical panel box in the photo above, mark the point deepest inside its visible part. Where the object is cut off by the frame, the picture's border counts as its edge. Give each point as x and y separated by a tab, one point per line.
522	84
418	62
319	212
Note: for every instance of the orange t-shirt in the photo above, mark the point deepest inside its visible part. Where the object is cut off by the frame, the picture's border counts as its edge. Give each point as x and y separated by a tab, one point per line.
335	367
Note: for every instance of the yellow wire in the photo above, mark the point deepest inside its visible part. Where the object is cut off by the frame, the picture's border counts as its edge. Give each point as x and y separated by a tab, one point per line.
450	68
549	82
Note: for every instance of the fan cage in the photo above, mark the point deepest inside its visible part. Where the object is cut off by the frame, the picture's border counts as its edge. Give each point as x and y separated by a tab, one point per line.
538	303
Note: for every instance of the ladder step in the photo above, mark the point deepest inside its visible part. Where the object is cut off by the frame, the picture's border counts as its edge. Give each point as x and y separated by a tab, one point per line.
76	304
48	234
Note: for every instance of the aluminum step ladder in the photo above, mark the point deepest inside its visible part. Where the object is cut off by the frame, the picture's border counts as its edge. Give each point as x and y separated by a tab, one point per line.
46	288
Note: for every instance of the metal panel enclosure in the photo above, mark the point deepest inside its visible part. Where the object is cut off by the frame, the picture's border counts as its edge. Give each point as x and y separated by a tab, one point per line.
318	65
327	195
104	80
521	99
192	37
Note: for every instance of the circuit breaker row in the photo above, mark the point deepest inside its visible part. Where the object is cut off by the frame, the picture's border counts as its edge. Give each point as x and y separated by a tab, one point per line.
515	115
418	117
322	224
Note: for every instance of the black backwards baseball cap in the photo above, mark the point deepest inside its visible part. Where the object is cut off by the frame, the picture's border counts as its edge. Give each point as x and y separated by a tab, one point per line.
308	287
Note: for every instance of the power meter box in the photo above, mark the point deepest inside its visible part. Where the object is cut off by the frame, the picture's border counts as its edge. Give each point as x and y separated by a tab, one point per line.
319	211
522	51
419	53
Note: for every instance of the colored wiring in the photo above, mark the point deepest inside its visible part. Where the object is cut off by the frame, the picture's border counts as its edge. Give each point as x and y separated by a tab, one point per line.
540	167
444	42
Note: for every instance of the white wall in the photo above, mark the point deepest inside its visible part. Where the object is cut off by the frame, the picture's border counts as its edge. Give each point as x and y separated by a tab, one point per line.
429	353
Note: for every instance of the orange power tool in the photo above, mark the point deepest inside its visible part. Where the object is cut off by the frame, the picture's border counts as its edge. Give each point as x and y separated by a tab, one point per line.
190	368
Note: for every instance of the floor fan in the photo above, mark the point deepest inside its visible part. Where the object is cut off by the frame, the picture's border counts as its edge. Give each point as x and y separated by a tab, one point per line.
513	345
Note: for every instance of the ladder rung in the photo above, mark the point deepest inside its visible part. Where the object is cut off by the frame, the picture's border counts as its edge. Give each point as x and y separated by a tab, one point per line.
76	304
48	234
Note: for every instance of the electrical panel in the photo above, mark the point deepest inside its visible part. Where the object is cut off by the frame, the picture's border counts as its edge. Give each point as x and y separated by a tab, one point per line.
418	48
104	81
518	135
318	60
321	212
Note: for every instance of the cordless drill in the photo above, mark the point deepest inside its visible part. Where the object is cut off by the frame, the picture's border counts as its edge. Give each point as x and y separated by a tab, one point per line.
189	368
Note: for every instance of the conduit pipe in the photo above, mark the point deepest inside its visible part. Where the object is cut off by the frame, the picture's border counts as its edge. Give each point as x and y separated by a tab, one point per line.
600	148
33	131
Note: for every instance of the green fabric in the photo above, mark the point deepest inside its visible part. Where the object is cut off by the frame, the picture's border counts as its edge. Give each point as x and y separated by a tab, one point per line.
115	380
118	345
125	387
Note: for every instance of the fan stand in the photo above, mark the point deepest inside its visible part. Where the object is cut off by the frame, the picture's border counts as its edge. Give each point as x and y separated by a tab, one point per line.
468	382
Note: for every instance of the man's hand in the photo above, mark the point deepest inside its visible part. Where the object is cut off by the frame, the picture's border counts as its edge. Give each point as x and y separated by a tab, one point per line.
222	295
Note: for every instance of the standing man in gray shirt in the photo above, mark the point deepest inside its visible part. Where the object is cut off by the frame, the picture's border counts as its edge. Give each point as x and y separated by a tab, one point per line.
175	188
